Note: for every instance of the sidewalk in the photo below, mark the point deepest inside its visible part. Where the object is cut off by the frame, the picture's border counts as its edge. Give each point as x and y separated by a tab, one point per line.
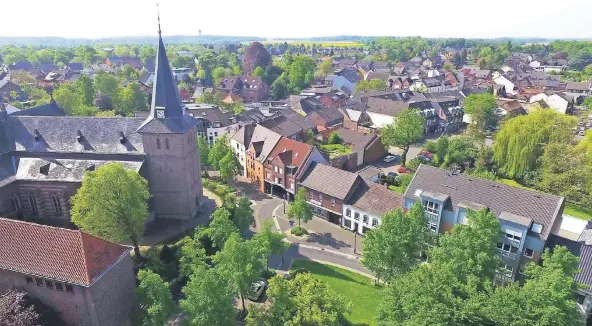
321	234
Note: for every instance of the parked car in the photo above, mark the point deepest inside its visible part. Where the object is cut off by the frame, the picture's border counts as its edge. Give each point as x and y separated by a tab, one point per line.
389	158
581	133
258	289
580	123
391	174
426	153
403	170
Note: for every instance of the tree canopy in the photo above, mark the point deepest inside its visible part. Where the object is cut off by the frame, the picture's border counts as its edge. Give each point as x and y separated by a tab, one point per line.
408	128
156	300
111	203
300	209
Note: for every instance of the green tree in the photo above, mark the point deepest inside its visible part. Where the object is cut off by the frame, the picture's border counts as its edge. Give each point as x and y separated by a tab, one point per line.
192	255
520	141
228	166
131	98
156	302
128	72
207	302
301	73
407	129
86	54
481	107
238	265
393	248
243	214
107	85
334	138
204	150
302	301
85	111
545	299
259	72
85	90
220	72
147	53
300	209
269	243
279	88
218	152
369	85
326	67
220	228
112	203
66	97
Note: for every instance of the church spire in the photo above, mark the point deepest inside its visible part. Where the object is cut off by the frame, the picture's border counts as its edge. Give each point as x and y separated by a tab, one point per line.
165	95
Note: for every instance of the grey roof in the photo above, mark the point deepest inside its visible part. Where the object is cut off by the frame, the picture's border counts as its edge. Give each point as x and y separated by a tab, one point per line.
49	109
586	237
368	172
585	274
521	220
542	208
165	95
357	139
211	113
269	139
375	199
331	115
59	134
329	180
244	134
386	107
578	86
282	125
64	169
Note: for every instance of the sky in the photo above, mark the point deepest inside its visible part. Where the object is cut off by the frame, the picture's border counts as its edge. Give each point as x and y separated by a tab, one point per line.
301	18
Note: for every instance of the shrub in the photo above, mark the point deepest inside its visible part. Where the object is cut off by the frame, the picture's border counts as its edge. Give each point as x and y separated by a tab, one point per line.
413	164
267	274
299	231
292	274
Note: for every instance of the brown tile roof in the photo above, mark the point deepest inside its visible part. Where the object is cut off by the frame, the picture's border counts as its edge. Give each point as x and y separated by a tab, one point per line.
542	208
59	254
299	151
375	199
329	180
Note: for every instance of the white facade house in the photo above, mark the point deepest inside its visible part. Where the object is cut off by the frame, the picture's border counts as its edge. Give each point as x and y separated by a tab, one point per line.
509	85
554	101
355	219
380	120
214	123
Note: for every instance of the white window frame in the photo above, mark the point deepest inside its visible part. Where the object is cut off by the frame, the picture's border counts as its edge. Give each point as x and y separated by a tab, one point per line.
320	197
433	226
513	235
525	255
275	168
509	250
311	194
281	171
356	216
374	222
348	212
365	219
332	202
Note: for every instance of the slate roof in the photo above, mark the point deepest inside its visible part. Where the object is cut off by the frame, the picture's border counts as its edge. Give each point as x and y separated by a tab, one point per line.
329	180
357	139
269	139
375	199
58	134
69	256
244	134
177	125
282	125
330	115
542	208
578	86
386	107
212	114
49	109
585	266
76	66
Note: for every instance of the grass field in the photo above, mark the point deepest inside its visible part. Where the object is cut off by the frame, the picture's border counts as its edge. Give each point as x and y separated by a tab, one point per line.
335	150
322	43
355	287
570	208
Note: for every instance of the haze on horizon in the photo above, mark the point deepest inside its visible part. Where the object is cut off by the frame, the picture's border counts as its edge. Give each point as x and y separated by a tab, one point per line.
305	18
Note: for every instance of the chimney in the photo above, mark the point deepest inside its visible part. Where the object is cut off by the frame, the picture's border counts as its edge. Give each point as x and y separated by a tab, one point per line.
121	137
79	136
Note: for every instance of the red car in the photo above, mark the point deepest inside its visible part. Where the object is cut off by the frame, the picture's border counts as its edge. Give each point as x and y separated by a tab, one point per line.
403	170
426	153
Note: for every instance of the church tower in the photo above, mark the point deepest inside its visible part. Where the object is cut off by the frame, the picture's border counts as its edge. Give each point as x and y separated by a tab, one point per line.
170	141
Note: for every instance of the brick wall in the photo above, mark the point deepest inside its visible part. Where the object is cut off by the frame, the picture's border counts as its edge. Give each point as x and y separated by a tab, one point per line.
375	151
326	201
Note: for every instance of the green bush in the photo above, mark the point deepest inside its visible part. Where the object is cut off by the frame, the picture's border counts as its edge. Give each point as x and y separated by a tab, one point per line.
267	274
218	188
413	164
292	274
299	231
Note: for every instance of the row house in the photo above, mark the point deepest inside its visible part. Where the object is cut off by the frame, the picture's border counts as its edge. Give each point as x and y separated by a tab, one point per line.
260	145
347	199
213	123
285	164
526	217
87	280
245	88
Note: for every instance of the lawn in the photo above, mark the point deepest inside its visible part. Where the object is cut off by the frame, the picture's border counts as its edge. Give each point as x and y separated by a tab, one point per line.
335	150
570	208
355	287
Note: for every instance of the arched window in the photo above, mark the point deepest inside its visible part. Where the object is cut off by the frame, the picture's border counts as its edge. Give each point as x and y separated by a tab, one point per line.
16	204
56	202
365	218
348	212
374	222
32	202
166	143
158	143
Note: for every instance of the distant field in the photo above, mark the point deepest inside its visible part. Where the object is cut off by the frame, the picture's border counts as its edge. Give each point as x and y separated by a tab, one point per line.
322	43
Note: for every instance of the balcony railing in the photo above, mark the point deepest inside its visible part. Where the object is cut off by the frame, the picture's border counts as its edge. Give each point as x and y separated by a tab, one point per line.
316	202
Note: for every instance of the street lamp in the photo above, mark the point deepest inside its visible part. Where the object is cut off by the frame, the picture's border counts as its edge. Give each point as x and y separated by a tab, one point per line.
355	239
284	201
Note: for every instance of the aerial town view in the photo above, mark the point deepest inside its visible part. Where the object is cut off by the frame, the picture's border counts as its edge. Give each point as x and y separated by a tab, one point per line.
303	164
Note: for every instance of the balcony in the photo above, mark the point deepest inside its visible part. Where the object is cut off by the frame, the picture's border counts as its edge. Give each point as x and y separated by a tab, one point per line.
314	201
508	254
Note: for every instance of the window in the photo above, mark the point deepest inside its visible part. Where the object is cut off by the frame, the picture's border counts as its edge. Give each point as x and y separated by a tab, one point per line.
580	298
433	227
311	194
275	169
431	207
29	279
507	248
320	196
332	202
292	185
356	216
513	235
59	286
537	228
374	222
365	218
38	281
348	212
158	143
49	284
528	252
347	223
56	202
508	270
166	143
237	146
16	204
281	171
69	288
32	202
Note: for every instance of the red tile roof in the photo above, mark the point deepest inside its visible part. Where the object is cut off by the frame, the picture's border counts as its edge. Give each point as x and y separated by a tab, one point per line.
299	150
59	254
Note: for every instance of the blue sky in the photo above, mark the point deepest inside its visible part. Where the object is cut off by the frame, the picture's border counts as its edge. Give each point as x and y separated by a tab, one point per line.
302	18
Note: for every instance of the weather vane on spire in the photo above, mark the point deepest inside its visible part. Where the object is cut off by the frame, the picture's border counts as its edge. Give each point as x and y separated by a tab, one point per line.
158	16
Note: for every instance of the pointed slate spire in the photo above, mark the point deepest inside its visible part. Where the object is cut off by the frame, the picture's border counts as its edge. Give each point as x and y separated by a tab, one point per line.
165	95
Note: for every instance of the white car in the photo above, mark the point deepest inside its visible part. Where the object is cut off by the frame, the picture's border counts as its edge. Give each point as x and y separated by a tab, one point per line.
389	159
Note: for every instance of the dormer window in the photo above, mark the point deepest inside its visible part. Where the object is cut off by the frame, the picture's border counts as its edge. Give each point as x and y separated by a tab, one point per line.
121	137
160	113
44	169
37	135
79	136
